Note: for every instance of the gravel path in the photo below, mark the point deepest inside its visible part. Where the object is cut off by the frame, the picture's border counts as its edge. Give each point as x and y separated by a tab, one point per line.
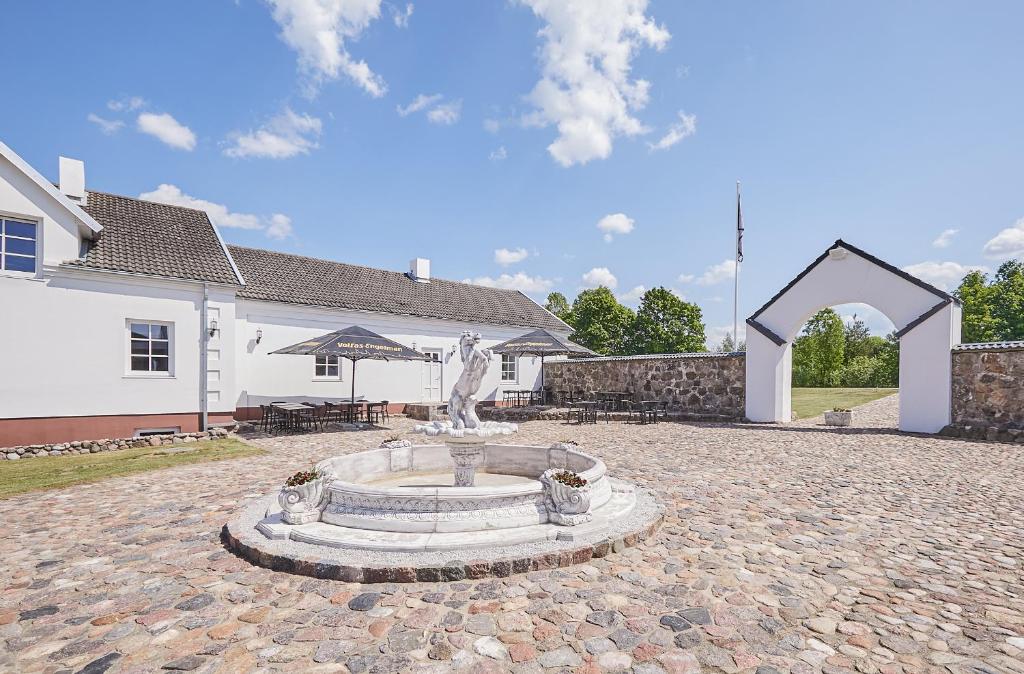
785	548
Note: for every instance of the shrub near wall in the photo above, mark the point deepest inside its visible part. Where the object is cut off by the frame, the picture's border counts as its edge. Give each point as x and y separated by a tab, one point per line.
701	385
988	392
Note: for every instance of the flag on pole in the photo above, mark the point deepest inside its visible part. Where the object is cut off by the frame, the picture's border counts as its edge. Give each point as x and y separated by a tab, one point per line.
739	226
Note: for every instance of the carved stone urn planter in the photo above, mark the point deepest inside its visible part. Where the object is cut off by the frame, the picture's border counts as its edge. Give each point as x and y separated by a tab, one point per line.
303	503
566	505
838	418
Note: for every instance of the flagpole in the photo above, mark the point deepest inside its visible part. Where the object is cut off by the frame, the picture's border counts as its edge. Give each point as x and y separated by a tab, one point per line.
736	278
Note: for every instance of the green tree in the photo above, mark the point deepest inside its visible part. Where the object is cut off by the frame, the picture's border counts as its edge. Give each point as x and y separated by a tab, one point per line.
559	306
727	345
888	372
1007	300
856	335
975	295
818	352
666	324
600	323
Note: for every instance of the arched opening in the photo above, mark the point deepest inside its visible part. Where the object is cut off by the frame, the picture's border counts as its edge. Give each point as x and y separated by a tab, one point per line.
927	322
843	357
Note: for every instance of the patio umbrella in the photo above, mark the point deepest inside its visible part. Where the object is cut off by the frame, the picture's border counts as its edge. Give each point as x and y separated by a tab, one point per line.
542	343
355	344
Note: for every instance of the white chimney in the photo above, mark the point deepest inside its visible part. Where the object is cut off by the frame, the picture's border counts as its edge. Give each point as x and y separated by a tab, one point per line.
72	179
419	270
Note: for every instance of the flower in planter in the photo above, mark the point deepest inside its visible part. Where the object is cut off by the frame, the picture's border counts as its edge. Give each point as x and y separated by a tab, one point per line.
304	476
569	478
840	409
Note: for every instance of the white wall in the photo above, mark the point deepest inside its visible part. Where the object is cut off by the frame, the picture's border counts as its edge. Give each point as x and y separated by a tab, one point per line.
924	351
262	377
64	344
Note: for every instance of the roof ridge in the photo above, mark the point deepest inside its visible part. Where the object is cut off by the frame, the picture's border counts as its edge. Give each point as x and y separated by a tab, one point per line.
363	266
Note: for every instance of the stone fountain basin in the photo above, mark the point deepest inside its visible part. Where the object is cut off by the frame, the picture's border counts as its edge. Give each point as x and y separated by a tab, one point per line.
356	502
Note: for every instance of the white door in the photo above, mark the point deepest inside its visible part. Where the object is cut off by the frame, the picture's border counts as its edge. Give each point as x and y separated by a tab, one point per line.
432	375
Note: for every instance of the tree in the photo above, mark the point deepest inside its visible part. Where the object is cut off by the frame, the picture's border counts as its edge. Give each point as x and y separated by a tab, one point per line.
975	295
818	352
856	339
1007	300
559	306
888	372
666	324
600	323
727	345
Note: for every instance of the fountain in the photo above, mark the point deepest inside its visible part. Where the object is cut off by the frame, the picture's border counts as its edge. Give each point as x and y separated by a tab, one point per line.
475	506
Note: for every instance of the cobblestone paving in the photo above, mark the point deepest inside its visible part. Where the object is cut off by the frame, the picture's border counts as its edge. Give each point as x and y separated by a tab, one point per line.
793	548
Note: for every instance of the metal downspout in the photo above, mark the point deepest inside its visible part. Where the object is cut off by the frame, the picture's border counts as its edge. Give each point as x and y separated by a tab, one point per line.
204	339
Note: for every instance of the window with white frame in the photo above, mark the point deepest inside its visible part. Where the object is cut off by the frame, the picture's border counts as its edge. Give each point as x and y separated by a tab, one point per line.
327	368
150	348
17	245
509	367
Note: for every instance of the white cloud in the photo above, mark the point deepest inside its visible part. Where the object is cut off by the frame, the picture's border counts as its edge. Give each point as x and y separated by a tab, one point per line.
168	130
107	126
1007	243
600	276
716	273
419	103
277	226
318	29
127	104
498	155
943	240
615	223
684	128
446	113
632	296
942	275
283	136
505	257
585	88
401	16
518	281
492	125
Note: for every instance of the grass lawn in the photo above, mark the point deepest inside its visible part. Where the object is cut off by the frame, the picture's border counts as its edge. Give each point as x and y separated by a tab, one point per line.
17	477
810	402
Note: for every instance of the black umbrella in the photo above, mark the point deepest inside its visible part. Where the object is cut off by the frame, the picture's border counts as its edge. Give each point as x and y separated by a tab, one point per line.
542	343
354	343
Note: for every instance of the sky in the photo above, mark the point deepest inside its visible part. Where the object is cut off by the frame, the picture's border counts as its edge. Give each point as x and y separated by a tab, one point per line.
546	145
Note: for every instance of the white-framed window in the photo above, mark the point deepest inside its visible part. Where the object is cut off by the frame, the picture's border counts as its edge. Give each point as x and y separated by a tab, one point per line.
326	367
509	367
150	348
18	245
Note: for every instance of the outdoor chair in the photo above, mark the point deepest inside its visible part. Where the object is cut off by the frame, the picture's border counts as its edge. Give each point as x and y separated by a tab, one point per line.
267	418
374	413
384	410
634	412
278	419
320	416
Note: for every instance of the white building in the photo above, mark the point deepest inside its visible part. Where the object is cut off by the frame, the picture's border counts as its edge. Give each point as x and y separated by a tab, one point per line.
120	316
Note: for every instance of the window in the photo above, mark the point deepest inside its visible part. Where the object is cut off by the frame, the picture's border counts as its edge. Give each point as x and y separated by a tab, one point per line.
17	245
509	367
327	367
150	347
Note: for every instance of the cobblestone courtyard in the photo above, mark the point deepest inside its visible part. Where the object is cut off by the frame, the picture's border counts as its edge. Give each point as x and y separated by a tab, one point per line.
784	548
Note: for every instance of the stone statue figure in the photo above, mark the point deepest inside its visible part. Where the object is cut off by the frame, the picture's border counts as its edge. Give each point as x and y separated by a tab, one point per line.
462	403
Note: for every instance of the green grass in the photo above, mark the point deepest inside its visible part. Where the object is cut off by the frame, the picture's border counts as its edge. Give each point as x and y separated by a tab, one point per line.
24	475
810	402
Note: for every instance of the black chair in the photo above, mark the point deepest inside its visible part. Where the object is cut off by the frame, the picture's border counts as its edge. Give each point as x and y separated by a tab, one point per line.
266	417
634	412
384	410
320	416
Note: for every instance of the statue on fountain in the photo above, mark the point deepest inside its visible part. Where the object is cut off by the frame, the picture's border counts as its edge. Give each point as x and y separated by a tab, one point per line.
475	361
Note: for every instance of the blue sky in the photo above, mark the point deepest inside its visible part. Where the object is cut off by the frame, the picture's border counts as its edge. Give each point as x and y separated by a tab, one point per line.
372	132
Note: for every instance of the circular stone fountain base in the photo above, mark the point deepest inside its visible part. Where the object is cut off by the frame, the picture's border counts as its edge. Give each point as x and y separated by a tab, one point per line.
577	545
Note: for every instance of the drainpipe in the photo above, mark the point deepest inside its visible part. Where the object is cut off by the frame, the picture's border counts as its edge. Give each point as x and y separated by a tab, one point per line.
204	338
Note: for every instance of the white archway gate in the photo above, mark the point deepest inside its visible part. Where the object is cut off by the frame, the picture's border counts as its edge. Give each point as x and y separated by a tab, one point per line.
927	323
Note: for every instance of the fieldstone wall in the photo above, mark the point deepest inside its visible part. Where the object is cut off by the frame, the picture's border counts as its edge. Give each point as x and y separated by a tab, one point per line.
988	392
698	385
94	446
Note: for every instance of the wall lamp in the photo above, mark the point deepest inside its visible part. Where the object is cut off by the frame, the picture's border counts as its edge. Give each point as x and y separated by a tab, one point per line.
213	327
259	335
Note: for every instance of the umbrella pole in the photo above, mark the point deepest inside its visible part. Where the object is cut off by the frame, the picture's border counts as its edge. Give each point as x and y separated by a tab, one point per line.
542	379
353	380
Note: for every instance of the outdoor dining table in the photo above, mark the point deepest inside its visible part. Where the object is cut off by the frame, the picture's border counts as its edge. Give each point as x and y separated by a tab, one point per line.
294	414
652	409
615	397
587	410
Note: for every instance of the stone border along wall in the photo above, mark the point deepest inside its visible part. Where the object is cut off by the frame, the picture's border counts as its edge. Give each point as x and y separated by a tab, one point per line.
988	392
700	386
96	446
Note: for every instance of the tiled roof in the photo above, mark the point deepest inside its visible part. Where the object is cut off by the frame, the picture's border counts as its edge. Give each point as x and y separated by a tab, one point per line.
144	237
294	279
664	356
990	346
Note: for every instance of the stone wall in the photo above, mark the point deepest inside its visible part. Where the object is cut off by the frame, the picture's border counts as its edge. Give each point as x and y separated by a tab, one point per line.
698	385
988	391
94	446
